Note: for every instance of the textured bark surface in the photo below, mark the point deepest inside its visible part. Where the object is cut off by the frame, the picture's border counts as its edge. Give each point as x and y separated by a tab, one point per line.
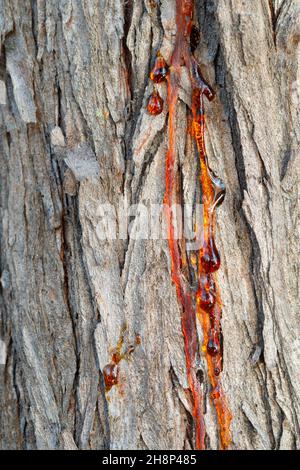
75	133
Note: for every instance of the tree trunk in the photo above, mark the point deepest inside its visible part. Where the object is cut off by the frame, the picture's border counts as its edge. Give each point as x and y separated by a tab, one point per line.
76	134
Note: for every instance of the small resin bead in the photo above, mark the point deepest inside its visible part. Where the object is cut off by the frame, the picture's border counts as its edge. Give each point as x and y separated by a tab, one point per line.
212	348
215	394
155	104
160	70
213	345
116	357
111	375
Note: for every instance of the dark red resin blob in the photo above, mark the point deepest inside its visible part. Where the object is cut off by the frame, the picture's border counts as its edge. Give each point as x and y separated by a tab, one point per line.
207	292
160	70
111	375
155	104
209	256
213	345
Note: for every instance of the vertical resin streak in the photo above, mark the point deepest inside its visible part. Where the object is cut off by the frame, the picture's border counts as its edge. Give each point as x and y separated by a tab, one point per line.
187	300
209	312
207	304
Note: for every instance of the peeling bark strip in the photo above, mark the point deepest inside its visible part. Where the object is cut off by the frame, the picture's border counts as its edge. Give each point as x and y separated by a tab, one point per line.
207	303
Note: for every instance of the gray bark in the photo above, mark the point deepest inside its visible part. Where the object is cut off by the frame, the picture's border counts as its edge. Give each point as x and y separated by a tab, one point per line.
75	133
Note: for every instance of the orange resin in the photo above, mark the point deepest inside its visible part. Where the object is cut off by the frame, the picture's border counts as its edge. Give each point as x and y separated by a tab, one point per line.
160	70
111	371
206	303
155	104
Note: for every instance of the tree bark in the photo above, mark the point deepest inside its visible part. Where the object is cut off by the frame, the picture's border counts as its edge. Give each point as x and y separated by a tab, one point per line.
75	133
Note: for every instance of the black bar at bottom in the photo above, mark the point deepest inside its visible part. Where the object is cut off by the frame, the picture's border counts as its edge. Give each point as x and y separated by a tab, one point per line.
137	458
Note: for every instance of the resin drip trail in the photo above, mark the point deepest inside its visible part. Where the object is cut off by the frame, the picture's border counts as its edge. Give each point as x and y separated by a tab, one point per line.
207	304
208	297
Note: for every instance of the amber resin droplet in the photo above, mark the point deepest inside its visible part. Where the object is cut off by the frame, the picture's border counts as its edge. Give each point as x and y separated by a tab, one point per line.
213	345
155	104
111	375
209	256
160	70
207	292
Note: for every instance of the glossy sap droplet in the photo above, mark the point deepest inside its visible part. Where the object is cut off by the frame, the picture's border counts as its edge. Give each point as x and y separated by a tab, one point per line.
209	256
111	375
155	104
213	345
212	348
206	297
160	70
